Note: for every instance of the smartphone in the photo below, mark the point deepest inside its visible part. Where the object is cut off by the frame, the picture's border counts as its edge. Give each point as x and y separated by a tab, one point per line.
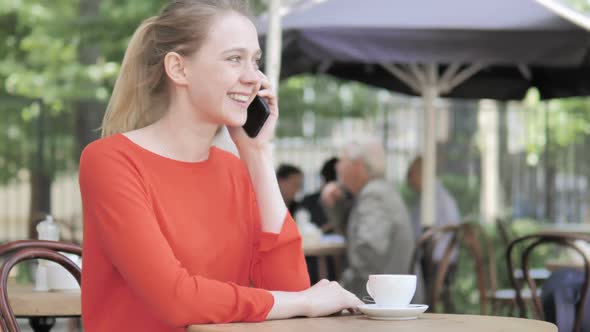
258	112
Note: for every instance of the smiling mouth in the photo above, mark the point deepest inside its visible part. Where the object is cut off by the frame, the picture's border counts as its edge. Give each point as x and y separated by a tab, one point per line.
238	97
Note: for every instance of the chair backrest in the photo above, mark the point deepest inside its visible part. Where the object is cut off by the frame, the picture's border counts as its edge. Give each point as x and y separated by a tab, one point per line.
425	248
9	247
481	250
23	250
471	237
529	243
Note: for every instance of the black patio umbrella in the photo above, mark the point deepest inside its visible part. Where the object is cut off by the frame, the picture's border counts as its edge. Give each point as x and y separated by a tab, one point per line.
454	48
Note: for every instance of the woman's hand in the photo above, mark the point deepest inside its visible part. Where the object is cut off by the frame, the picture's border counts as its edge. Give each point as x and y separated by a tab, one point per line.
266	134
322	299
328	297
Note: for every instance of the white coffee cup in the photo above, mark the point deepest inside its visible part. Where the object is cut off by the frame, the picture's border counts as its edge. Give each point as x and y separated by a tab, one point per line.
392	290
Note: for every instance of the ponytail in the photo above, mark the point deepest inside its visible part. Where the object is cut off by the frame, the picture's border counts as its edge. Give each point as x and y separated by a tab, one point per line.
134	103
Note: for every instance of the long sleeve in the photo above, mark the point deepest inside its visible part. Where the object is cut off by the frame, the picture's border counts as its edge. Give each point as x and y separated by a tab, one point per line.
120	215
279	262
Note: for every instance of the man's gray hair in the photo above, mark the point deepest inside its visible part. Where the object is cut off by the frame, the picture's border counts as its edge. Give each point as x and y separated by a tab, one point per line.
371	153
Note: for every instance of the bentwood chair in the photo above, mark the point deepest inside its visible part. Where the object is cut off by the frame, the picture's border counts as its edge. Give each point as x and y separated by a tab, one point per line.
19	251
423	253
531	242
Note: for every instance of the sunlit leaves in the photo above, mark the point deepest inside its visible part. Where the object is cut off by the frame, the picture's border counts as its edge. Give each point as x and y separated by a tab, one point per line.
581	5
560	122
41	71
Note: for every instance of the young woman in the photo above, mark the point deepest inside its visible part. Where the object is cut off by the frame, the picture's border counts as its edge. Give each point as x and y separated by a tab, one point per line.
177	232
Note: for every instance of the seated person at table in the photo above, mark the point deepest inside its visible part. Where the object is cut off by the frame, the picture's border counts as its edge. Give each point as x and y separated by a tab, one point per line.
380	239
177	232
290	180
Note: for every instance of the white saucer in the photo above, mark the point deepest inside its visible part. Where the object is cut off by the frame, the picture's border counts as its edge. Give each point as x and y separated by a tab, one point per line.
411	311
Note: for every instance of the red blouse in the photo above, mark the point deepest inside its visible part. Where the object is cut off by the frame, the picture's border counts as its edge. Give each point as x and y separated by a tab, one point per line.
169	243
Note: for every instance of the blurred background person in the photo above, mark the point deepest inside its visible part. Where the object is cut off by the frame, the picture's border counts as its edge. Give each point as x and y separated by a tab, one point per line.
290	180
380	239
446	213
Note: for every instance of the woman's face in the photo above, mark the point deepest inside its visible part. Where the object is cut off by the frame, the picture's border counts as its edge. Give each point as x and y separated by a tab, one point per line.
223	75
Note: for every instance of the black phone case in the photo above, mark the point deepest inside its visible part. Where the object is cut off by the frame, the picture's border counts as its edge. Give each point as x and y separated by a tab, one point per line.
258	112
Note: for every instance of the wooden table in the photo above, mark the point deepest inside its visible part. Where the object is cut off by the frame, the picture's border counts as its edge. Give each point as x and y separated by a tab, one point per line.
26	302
43	307
322	250
554	265
358	323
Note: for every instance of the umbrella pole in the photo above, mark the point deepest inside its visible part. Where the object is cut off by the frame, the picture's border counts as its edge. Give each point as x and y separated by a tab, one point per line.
431	87
273	45
425	81
430	94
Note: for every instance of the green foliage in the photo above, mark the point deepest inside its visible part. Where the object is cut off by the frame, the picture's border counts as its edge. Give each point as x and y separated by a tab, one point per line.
580	5
43	74
567	121
38	72
465	190
325	96
258	6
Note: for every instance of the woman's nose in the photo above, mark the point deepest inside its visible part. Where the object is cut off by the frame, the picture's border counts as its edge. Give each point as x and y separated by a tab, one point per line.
251	75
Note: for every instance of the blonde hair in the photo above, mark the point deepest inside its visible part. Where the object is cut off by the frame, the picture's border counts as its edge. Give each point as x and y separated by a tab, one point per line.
140	96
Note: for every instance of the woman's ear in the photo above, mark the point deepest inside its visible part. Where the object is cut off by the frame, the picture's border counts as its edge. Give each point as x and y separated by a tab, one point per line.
174	66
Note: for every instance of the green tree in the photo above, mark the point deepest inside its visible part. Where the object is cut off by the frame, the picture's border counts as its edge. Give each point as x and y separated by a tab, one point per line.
58	63
554	128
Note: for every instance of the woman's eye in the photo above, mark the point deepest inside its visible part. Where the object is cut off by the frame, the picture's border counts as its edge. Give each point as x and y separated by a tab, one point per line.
257	63
234	59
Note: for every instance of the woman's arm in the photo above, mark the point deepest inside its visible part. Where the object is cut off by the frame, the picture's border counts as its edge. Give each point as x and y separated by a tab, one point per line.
257	155
271	207
279	262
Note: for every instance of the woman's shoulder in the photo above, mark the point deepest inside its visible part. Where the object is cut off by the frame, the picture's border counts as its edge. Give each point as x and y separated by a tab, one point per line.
104	145
111	148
